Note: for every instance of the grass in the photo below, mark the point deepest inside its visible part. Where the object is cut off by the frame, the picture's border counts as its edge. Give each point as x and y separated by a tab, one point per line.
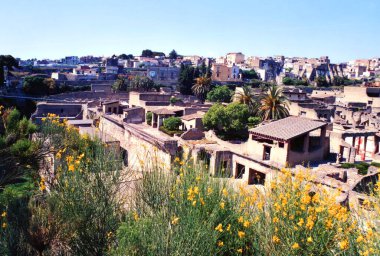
170	132
361	166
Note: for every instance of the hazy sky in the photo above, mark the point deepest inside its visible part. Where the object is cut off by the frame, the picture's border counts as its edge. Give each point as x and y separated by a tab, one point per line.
341	29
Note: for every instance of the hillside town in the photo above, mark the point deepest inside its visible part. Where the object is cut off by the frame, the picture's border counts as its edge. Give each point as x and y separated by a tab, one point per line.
327	118
197	128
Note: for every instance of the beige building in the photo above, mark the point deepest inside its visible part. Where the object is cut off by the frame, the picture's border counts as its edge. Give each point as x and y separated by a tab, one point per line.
234	58
224	73
289	141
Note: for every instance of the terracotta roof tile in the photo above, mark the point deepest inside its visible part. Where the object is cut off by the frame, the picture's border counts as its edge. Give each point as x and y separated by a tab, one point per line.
287	128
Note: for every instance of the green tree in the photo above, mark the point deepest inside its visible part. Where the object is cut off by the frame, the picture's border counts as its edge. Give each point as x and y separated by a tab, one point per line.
147	53
253	121
187	76
215	118
287	81
7	61
121	84
141	83
232	118
173	55
201	87
39	85
338	81
238	117
125	56
50	86
273	105
220	94
249	74
291	81
172	123
321	81
247	97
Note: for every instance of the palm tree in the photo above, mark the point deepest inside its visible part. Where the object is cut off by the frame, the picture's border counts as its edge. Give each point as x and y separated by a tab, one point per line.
246	97
201	87
273	104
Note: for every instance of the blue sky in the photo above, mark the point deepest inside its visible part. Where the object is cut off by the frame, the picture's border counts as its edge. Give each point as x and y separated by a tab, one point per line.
341	29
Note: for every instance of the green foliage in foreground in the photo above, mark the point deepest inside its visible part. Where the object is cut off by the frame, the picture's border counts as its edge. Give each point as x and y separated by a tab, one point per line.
177	216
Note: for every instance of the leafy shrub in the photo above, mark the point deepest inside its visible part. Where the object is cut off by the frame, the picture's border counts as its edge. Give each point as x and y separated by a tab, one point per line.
232	118
196	215
168	207
253	121
172	123
149	117
220	94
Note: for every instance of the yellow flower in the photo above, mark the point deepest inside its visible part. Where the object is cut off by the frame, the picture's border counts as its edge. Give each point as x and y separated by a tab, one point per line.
196	190
225	192
275	220
220	243
4	214
175	220
219	228
42	187
276	239
71	167
343	245
239	250
69	159
246	224
359	239
319	209
241	234
194	203
241	219
228	227
222	205
309	239
202	201
209	191
58	155
4	225
329	224
295	246
135	216
300	223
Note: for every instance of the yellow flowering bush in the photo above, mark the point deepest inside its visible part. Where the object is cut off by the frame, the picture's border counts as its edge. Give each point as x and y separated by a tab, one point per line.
292	217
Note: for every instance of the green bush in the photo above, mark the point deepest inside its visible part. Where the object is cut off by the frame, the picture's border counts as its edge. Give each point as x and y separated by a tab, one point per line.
253	121
172	123
178	216
232	118
149	117
220	94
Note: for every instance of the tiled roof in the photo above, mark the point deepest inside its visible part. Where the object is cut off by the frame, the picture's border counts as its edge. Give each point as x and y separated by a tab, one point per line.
287	128
193	116
163	111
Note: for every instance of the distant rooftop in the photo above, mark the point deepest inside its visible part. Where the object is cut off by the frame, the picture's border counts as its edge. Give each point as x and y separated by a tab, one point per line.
287	128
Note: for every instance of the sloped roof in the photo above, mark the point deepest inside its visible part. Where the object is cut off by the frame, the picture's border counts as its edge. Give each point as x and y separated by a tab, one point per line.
193	116
287	128
163	111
